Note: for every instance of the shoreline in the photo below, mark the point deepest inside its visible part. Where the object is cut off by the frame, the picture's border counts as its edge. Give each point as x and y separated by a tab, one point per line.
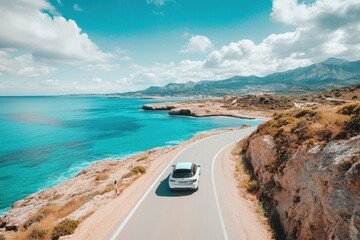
95	180
103	223
206	108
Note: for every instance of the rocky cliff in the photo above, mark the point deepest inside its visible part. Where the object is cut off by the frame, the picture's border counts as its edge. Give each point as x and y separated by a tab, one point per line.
307	167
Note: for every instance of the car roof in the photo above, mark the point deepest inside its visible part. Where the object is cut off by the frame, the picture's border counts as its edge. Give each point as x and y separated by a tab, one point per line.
183	165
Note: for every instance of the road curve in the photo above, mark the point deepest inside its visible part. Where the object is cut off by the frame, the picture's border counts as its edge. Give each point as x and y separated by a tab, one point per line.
162	214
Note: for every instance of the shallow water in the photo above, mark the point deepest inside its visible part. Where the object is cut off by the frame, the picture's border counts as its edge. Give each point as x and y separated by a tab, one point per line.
46	140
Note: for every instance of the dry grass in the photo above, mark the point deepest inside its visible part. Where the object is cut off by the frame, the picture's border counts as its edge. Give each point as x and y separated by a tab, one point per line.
63	228
243	170
55	197
41	225
41	214
295	129
350	109
39	230
71	206
242	178
139	169
101	177
134	171
144	158
260	209
247	184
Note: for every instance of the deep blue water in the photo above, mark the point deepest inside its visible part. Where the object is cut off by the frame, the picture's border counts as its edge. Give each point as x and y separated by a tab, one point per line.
46	140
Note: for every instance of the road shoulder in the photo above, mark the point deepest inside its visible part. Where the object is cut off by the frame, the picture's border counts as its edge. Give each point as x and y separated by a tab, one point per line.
240	215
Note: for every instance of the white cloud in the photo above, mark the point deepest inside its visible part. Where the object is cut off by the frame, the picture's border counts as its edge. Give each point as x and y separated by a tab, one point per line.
77	8
197	43
323	29
25	25
23	65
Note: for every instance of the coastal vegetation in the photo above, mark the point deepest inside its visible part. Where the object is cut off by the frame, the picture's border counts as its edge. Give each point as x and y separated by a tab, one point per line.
305	154
54	220
135	171
63	228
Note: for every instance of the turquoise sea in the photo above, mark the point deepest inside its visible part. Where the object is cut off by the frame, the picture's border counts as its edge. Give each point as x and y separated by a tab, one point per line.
46	140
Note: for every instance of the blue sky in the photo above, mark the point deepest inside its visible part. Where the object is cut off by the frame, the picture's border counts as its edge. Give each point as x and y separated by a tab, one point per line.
88	46
160	29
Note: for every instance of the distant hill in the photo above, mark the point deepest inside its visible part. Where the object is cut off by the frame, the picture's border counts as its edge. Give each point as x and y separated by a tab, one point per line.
332	73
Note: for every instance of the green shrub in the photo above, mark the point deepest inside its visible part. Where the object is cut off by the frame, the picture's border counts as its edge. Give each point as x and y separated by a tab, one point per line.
65	227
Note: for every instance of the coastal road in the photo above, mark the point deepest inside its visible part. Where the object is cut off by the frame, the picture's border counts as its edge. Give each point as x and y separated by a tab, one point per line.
163	214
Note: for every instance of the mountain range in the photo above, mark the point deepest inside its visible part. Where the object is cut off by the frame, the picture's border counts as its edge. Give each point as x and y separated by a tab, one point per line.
332	73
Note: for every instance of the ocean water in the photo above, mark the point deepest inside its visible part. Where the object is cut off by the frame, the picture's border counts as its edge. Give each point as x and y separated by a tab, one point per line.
46	140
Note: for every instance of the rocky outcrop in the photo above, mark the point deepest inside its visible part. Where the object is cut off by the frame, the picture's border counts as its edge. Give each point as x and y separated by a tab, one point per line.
159	107
180	111
316	195
205	108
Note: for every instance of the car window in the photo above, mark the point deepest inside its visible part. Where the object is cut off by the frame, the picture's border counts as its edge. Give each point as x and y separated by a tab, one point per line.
182	173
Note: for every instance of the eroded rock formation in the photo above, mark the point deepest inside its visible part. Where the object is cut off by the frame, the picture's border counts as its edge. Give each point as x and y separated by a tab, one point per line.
316	193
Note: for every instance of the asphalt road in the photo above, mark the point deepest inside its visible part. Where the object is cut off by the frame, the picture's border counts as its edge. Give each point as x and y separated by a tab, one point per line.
163	214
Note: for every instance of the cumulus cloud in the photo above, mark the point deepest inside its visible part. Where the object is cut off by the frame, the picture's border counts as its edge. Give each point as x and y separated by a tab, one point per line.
34	25
23	65
323	29
197	43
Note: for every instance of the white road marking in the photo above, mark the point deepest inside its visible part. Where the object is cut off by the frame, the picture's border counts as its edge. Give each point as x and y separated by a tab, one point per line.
215	192
127	219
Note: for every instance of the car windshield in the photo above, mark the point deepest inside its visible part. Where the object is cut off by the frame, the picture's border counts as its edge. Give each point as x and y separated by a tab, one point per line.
182	173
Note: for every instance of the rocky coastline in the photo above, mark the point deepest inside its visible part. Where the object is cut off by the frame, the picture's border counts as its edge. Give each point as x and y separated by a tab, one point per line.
204	108
79	197
305	169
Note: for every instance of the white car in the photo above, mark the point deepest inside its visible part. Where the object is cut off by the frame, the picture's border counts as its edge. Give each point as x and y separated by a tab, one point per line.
185	175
